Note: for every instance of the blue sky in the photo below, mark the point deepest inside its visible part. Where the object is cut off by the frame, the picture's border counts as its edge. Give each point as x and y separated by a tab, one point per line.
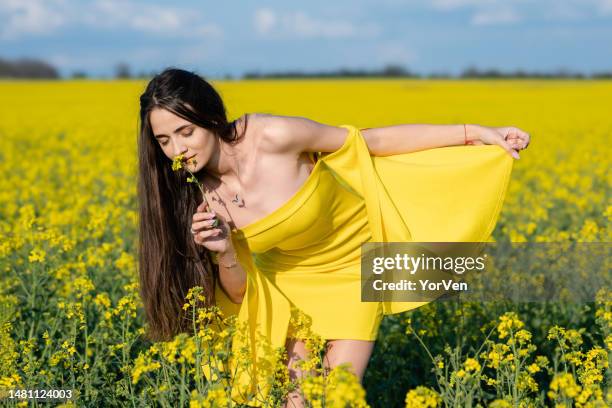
217	38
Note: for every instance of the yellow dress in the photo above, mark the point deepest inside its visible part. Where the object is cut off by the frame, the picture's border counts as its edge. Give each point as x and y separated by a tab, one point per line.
306	254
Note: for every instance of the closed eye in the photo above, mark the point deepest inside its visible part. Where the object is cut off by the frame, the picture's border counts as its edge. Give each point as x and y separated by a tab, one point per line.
184	135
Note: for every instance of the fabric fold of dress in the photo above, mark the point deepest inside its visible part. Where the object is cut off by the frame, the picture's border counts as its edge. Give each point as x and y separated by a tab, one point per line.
306	255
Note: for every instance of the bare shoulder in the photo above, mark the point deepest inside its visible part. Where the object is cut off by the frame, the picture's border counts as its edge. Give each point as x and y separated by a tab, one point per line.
296	134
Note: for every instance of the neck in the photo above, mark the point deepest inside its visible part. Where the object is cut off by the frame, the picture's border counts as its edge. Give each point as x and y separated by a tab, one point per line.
224	163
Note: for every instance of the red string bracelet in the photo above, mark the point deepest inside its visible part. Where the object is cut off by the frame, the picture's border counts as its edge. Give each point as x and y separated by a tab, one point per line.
466	142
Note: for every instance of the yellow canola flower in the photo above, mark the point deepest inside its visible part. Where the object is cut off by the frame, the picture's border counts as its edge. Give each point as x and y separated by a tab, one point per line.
143	365
37	255
509	321
472	364
563	385
423	397
177	162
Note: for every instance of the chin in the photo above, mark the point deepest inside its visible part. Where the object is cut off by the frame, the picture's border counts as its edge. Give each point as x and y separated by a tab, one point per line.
189	164
193	168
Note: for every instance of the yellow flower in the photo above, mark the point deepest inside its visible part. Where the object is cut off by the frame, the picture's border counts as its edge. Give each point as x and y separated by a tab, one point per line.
343	389
37	255
494	358
177	162
509	321
574	337
313	388
472	365
498	403
102	300
563	385
422	397
533	368
142	365
214	397
527	383
523	336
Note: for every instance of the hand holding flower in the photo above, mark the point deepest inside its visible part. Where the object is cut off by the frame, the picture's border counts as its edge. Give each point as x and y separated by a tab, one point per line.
177	164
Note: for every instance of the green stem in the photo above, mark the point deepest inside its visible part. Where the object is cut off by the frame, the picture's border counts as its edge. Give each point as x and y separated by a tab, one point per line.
216	223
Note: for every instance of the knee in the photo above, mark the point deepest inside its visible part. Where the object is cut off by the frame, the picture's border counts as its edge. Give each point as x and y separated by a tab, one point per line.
356	353
359	371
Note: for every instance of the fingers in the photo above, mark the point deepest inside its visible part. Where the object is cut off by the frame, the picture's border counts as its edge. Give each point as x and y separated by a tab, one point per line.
515	143
201	216
507	147
520	142
202	236
204	220
526	139
197	226
517	138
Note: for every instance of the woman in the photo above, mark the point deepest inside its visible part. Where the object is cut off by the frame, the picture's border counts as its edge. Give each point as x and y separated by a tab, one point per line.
290	226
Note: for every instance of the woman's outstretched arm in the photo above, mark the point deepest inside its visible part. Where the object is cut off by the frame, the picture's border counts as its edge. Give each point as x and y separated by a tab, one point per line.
298	134
406	138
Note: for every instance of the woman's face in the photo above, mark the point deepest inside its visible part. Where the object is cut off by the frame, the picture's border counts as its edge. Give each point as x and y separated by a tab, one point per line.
176	135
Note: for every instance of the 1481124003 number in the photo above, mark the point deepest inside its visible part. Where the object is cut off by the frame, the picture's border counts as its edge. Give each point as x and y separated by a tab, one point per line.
40	394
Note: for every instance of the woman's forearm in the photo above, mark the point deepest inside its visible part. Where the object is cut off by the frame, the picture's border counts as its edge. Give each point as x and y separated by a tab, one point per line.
232	276
406	138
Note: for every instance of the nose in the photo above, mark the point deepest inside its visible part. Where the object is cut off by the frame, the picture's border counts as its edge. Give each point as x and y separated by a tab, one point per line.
178	149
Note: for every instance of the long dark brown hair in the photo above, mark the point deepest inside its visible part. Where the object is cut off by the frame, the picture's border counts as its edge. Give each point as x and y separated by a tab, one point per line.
170	262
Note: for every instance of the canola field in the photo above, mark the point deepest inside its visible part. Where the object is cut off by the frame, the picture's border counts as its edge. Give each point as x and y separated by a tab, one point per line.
70	312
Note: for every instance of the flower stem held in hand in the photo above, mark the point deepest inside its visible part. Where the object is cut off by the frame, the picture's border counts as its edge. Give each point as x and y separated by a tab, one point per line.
177	164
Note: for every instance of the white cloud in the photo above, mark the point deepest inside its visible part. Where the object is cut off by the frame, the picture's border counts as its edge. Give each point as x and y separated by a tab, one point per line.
447	5
575	9
301	24
264	20
88	60
564	11
22	17
155	19
604	6
395	53
41	17
501	15
508	11
92	60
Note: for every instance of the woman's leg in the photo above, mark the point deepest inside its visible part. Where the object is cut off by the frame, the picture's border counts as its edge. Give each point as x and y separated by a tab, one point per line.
338	351
355	352
296	351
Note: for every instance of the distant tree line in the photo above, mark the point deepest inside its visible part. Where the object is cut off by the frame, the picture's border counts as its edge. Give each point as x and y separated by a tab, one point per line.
36	68
399	71
27	68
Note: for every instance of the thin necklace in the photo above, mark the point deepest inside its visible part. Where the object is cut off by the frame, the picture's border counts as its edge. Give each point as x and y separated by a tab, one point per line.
237	200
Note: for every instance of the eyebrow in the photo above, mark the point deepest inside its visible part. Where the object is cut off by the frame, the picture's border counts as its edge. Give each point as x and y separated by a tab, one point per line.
178	129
